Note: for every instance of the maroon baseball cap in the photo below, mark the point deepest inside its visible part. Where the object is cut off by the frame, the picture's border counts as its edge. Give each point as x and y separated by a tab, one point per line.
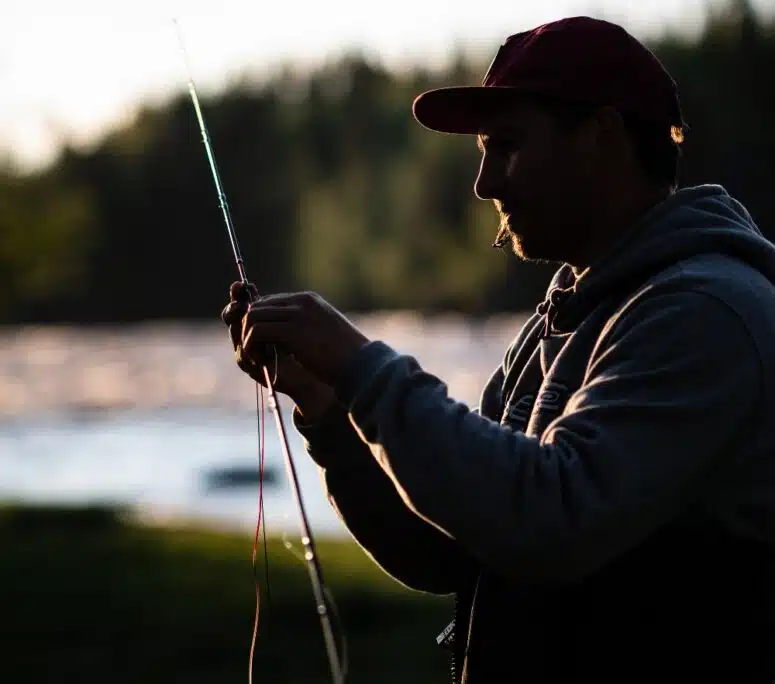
577	59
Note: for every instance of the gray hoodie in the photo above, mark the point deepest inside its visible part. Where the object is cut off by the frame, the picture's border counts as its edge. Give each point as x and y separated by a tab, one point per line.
639	396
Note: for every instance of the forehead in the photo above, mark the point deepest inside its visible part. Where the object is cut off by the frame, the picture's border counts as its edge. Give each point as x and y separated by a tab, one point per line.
515	114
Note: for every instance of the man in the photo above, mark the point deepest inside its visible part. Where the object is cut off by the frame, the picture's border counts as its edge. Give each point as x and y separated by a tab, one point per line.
608	512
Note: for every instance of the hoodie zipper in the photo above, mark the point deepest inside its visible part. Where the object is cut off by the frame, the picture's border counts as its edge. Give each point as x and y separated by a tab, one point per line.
453	638
453	650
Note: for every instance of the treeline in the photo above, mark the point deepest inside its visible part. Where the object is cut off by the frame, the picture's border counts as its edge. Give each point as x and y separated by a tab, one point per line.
332	186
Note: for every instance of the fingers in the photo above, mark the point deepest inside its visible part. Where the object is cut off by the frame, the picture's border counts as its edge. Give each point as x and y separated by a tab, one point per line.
253	356
245	363
252	345
232	315
241	296
233	312
235	290
259	337
253	361
243	292
264	312
268	324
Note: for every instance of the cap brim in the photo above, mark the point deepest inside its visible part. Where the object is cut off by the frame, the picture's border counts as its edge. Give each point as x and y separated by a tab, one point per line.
459	109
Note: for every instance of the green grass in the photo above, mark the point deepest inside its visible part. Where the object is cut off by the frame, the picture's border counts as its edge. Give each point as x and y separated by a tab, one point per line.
88	595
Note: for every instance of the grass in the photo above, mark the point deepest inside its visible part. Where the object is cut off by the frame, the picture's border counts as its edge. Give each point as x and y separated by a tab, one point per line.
88	595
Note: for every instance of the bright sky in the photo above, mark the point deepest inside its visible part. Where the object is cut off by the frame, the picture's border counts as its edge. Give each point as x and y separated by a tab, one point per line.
70	70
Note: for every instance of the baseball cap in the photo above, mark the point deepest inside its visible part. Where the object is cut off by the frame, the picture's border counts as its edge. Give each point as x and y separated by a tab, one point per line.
576	59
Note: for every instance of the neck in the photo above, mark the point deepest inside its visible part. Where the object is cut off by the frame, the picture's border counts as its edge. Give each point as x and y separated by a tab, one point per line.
615	222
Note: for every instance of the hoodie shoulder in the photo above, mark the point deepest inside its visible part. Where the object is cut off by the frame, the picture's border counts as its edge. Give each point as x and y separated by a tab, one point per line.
736	284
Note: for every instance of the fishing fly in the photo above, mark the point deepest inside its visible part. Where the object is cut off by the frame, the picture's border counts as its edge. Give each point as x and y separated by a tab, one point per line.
320	592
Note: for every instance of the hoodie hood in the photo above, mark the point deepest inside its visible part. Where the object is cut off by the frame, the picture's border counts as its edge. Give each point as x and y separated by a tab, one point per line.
699	220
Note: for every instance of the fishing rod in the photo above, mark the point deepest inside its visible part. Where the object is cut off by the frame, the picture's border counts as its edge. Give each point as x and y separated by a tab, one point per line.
310	554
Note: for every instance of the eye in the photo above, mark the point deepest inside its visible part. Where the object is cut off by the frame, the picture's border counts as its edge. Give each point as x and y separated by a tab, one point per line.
504	144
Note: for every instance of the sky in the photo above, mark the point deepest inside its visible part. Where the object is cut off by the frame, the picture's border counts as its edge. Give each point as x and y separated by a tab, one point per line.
71	71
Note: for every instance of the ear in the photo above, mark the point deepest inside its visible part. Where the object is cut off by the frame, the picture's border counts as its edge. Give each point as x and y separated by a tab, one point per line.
600	130
609	126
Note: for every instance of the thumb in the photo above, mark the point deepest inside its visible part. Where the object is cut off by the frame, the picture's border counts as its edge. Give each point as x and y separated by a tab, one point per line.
243	292
232	315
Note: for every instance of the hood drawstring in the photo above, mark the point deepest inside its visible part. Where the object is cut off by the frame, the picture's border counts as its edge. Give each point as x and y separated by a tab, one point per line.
550	307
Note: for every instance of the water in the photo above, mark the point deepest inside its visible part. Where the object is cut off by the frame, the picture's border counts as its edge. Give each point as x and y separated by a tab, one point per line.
139	415
157	461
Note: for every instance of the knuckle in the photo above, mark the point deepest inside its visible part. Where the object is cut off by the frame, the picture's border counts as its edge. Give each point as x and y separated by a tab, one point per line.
244	362
229	314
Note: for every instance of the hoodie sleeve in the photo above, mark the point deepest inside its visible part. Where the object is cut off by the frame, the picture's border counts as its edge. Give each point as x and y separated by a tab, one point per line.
403	544
665	400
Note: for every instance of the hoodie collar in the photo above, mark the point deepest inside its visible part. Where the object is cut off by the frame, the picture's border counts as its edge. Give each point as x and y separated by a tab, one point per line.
691	221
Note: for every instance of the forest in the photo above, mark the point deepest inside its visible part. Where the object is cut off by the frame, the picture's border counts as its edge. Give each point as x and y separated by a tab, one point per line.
333	187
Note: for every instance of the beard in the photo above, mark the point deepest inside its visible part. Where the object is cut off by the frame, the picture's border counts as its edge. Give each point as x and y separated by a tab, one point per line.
528	242
504	233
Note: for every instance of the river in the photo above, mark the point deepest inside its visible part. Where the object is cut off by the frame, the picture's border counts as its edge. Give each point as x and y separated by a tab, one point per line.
144	415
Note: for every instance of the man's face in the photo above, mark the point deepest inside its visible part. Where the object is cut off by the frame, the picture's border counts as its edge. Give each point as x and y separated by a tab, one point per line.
540	179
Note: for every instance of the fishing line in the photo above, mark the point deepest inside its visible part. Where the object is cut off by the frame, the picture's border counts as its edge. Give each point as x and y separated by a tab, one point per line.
261	517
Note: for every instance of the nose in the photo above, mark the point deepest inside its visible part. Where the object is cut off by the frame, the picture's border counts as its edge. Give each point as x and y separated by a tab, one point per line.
490	181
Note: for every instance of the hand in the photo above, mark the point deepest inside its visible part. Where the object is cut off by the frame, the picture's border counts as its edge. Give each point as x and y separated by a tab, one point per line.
311	396
305	325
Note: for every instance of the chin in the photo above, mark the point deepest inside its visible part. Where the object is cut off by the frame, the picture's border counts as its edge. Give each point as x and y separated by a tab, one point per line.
530	248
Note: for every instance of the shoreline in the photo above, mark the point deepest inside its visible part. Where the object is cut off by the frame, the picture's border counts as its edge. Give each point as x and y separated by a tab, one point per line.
90	591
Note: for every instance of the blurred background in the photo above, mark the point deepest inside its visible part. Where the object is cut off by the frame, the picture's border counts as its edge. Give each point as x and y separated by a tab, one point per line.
128	437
